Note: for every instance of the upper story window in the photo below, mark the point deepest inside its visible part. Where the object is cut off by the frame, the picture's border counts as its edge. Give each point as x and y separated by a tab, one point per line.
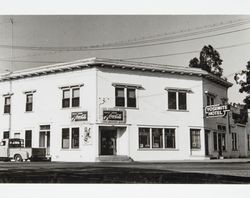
125	95
71	96
210	98
75	97
66	98
6	135
177	98
7	104
121	100
29	102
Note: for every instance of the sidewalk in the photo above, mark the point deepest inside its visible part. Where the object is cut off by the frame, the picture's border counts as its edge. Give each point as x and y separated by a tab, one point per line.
231	160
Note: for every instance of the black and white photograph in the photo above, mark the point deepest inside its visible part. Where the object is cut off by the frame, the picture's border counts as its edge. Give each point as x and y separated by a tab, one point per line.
125	99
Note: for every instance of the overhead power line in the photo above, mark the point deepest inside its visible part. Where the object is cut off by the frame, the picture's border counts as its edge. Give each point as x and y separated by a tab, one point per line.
176	35
124	46
182	53
136	58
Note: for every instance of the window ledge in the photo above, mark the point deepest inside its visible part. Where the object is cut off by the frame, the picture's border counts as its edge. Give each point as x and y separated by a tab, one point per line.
6	113
132	108
28	111
68	108
157	149
195	149
70	149
176	110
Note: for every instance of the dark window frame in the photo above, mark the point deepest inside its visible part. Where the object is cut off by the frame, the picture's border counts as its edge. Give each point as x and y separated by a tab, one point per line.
215	141
144	134
119	101
75	102
75	137
65	136
7	107
131	101
170	136
28	138
29	105
4	135
234	142
65	100
178	103
157	138
195	138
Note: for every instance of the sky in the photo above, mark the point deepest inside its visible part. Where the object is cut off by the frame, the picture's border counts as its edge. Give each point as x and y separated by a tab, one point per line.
70	31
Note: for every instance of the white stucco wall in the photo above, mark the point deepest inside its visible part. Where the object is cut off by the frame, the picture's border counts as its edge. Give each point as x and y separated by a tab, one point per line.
47	110
152	110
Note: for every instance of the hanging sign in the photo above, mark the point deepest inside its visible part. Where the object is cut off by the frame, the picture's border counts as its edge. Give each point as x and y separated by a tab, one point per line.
79	116
218	110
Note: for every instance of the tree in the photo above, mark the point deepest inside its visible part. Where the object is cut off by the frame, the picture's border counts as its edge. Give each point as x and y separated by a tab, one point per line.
243	79
209	61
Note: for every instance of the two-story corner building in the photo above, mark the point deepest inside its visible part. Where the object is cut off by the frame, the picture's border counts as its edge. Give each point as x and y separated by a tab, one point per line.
90	109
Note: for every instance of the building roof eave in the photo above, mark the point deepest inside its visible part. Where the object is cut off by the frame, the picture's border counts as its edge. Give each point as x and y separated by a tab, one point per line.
114	63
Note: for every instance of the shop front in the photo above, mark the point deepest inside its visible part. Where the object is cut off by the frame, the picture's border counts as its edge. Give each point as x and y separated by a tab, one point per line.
113	134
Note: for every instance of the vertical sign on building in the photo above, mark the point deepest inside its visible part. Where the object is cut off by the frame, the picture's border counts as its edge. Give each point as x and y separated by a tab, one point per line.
87	136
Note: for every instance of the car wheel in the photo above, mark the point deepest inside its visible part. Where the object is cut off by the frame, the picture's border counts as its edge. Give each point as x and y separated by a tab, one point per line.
18	158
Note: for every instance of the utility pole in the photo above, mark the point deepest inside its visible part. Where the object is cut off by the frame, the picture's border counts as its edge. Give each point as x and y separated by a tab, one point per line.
11	71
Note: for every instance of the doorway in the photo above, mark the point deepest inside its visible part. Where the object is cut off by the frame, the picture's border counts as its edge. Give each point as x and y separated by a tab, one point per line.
108	141
44	138
221	143
207	142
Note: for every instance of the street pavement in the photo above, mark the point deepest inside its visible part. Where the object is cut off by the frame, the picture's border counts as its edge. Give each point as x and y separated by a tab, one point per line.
234	171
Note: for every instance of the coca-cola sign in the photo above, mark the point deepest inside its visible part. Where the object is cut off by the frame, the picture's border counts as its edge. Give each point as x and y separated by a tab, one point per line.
114	116
79	116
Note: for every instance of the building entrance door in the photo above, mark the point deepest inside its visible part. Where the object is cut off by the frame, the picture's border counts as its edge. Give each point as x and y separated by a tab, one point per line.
207	142
44	139
221	143
108	141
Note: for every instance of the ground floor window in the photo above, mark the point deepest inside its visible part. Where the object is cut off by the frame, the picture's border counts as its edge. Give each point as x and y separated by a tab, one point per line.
28	138
157	138
70	138
195	138
75	138
144	138
248	142
234	141
157	141
222	141
215	141
170	138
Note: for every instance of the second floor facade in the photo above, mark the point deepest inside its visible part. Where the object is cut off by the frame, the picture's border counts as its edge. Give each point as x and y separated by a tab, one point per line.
146	95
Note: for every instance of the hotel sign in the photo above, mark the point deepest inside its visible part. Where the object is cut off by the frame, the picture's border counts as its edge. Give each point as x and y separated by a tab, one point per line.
216	110
117	116
79	116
